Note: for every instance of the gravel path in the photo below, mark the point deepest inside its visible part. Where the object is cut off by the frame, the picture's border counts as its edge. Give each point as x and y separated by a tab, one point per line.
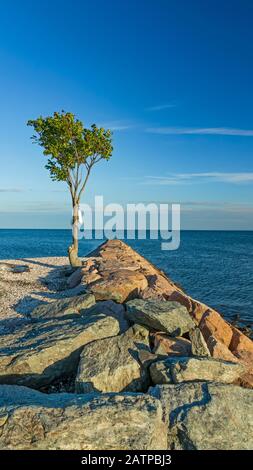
21	292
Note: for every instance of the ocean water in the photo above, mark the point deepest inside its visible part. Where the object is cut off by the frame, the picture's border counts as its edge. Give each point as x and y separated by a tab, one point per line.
215	267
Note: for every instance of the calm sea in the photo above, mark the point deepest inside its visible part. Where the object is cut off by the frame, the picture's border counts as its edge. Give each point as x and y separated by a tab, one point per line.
213	266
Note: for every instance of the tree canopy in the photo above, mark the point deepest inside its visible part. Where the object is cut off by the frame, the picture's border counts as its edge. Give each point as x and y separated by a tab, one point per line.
71	148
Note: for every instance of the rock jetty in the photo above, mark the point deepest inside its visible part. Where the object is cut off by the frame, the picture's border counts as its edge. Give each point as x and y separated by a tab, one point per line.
135	361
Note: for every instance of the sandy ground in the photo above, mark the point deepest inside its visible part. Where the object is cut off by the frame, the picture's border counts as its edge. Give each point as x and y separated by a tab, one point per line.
20	293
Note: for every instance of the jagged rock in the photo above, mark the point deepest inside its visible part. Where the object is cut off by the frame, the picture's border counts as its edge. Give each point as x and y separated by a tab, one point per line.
30	420
41	352
112	365
109	307
207	416
169	317
146	357
198	310
185	369
120	285
213	324
69	306
240	343
180	297
164	344
198	344
219	350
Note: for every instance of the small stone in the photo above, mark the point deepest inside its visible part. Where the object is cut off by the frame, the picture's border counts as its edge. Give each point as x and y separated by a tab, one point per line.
164	344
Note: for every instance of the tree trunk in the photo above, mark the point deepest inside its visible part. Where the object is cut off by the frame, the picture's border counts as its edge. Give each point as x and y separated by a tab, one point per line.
73	249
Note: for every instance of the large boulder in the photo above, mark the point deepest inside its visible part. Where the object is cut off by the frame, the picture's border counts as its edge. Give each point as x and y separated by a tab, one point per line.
37	354
69	306
219	350
111	308
31	420
187	369
213	324
120	285
169	317
207	416
112	365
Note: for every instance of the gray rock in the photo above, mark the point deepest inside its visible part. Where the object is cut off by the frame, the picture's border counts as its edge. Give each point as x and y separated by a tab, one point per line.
185	369
198	344
69	306
112	364
109	307
204	416
168	316
14	268
20	269
30	420
37	354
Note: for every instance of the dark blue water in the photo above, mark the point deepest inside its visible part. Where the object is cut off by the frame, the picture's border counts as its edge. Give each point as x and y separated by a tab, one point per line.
214	267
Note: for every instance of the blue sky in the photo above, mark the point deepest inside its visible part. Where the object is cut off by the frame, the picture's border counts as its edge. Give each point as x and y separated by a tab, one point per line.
173	79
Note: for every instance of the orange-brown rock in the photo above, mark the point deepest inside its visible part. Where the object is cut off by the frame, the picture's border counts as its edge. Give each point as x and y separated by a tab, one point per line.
164	344
181	298
212	324
198	310
219	350
240	343
120	286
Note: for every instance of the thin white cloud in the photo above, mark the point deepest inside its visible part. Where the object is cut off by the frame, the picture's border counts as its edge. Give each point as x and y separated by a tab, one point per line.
160	107
200	131
188	178
116	125
11	190
119	128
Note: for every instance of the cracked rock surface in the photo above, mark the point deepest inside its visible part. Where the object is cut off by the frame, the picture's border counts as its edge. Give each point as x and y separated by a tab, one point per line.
206	416
30	420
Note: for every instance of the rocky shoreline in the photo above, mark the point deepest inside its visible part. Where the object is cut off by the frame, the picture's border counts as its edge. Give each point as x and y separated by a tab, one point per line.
124	360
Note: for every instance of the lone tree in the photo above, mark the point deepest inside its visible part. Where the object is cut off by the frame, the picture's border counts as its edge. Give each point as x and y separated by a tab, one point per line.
73	151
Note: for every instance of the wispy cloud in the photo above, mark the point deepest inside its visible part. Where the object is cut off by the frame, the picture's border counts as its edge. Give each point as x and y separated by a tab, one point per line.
119	128
116	125
188	178
200	131
11	190
35	207
160	107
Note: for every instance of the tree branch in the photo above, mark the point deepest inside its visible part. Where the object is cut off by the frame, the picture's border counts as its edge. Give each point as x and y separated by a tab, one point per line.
84	184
